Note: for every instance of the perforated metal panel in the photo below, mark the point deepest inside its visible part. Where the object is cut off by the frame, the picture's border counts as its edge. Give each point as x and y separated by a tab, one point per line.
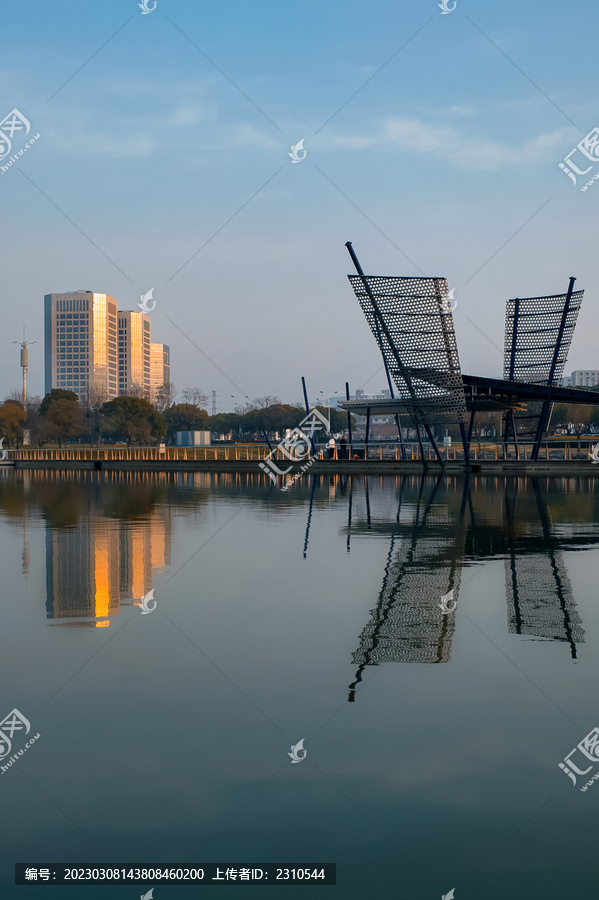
539	598
407	624
412	323
538	333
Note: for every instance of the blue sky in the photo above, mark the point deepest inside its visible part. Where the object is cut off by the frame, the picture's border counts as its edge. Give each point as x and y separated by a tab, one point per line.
174	137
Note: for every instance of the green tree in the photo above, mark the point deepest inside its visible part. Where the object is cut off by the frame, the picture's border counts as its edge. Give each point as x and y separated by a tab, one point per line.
56	394
64	419
134	419
185	417
579	414
559	416
12	417
223	423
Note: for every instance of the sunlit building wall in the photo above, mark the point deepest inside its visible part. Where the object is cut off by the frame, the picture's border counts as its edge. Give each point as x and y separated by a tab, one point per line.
80	343
81	578
160	369
134	353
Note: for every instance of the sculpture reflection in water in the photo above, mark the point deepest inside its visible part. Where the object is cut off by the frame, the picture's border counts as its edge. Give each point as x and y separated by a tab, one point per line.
436	529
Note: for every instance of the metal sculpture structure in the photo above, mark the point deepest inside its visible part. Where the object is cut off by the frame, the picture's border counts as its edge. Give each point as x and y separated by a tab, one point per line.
412	323
538	334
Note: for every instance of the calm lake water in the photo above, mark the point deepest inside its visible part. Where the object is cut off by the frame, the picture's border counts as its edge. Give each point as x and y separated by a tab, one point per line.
433	642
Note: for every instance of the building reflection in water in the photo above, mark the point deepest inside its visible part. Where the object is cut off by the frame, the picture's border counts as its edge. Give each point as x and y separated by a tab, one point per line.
109	533
92	571
104	544
439	526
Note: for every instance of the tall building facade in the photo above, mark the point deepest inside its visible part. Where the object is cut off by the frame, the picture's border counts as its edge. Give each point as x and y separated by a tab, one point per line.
80	343
160	369
134	353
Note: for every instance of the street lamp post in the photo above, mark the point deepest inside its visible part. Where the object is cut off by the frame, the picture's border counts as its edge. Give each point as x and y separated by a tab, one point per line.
330	406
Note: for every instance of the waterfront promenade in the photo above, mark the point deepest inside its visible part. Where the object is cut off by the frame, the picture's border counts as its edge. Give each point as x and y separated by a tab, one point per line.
559	456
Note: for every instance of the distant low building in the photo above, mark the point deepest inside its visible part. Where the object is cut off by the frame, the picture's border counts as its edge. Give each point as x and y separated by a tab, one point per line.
584	378
193	438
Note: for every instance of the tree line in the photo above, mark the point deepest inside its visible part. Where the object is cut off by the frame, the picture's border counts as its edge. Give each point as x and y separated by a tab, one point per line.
60	417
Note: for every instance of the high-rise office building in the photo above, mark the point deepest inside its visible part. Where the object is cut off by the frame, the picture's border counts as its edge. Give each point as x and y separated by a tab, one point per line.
160	369
134	353
80	341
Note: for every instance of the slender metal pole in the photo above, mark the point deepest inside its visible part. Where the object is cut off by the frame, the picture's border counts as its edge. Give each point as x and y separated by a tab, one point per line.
465	443
516	445
471	424
307	406
367	432
511	372
267	441
402	446
348	412
419	435
434	443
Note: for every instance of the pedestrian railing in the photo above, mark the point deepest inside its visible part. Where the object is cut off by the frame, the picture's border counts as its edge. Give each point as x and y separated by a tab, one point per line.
480	450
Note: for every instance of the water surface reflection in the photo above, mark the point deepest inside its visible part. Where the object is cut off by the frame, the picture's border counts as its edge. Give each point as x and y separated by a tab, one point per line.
438	527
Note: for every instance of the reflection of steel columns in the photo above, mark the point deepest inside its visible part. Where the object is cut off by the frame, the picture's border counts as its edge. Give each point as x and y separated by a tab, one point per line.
538	590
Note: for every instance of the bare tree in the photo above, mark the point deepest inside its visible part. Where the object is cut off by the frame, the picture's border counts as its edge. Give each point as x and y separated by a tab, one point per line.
165	396
264	402
32	408
15	395
138	391
195	396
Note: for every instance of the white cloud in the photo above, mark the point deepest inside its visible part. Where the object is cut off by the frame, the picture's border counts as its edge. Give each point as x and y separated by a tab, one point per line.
418	136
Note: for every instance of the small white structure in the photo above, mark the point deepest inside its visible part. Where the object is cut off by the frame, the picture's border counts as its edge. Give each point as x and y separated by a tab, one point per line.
193	438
